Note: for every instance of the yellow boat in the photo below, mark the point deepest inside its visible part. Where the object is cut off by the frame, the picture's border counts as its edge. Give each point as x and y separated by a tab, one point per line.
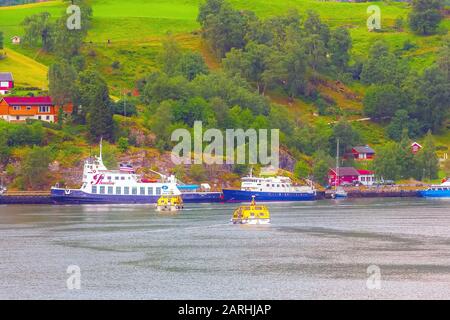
169	203
251	214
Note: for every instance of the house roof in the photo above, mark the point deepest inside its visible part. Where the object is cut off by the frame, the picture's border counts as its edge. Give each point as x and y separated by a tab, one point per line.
346	171
365	172
363	149
6	76
29	101
416	144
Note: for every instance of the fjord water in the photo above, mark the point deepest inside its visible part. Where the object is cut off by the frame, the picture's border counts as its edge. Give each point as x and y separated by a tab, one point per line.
312	250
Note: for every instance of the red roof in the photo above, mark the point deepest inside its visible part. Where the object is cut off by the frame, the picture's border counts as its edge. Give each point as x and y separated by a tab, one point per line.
365	172
29	101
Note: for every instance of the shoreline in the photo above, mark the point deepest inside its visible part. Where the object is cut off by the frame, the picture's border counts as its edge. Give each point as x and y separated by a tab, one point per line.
45	198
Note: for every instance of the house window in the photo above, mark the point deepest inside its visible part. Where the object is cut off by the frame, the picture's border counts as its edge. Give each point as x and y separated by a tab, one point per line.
28	108
17	108
39	118
17	118
44	109
47	117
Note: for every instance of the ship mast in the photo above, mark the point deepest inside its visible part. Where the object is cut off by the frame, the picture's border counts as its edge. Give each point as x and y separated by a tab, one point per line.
101	148
336	177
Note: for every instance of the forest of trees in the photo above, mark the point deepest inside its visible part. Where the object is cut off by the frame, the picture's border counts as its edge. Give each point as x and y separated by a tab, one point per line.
405	98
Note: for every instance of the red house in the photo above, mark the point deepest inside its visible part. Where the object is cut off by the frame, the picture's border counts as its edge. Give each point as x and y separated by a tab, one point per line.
6	82
346	175
19	109
415	147
349	175
363	153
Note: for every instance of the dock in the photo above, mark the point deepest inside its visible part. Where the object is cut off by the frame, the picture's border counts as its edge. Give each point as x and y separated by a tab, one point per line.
26	197
379	192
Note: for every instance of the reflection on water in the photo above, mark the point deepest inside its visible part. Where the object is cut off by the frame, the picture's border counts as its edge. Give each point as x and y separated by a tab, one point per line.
311	250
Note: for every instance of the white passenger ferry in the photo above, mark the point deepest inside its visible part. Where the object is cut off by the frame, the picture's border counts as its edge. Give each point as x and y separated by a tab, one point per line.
269	189
101	185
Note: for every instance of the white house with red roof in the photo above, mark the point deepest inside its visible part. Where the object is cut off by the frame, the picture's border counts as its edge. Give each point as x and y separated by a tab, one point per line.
6	82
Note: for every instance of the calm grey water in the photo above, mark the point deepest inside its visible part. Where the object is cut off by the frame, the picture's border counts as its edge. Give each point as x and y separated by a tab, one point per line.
311	250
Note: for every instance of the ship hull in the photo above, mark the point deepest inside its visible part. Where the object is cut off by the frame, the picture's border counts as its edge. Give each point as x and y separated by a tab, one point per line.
230	195
72	196
202	197
435	193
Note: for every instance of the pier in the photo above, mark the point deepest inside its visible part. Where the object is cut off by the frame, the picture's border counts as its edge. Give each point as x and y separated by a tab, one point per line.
26	197
379	192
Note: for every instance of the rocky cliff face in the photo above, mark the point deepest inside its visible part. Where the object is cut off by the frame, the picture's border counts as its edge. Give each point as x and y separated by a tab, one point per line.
145	160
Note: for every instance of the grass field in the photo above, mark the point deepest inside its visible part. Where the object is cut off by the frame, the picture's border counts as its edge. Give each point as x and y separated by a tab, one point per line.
26	71
135	29
12	17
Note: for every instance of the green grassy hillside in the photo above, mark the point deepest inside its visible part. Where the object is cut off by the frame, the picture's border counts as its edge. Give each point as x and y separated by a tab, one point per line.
140	21
27	72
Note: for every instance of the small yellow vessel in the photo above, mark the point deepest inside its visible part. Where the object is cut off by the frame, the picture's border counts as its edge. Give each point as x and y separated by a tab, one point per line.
252	214
169	203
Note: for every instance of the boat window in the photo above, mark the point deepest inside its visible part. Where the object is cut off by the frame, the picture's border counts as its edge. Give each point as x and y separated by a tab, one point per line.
150	191
158	191
109	178
102	190
116	177
94	189
126	190
134	190
122	178
142	191
110	190
118	190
